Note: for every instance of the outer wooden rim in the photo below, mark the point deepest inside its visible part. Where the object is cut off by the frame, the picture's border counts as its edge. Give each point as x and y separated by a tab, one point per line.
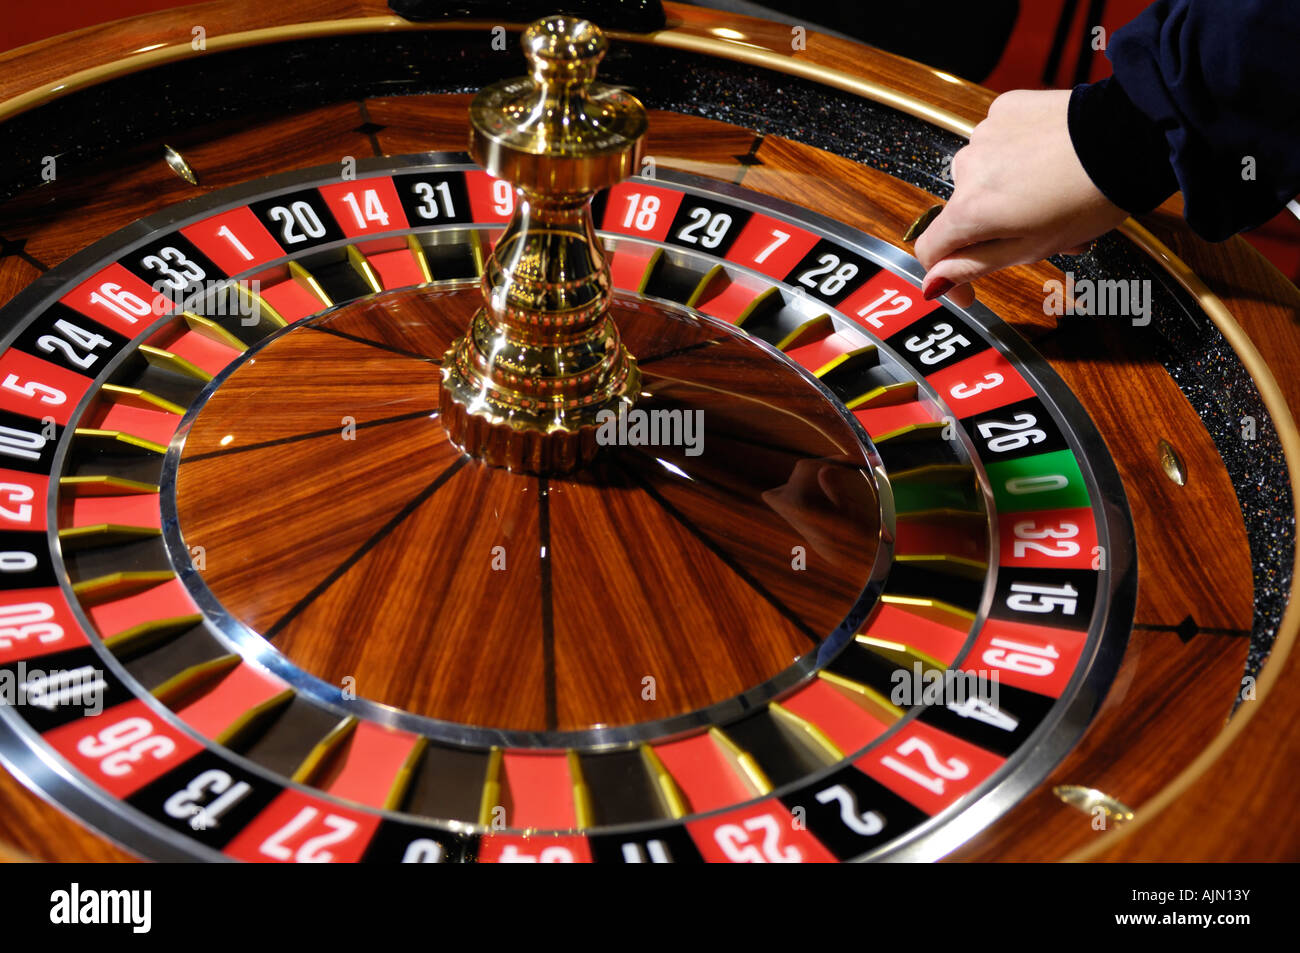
11	855
751	54
670	38
1276	405
161	54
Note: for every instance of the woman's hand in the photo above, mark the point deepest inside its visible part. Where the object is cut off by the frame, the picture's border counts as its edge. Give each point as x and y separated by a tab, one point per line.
1020	195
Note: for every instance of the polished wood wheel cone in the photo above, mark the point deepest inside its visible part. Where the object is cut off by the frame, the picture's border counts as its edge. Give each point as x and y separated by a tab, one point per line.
663	580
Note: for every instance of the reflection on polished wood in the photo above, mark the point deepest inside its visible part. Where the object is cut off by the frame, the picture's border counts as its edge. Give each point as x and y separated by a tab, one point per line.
39	831
470	594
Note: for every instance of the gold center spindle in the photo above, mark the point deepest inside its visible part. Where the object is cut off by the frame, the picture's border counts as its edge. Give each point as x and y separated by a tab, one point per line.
542	357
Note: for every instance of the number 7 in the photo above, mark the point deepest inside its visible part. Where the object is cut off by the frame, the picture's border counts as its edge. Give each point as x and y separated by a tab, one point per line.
780	239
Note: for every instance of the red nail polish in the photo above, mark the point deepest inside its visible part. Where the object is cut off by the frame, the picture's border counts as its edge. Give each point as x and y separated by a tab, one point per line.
936	288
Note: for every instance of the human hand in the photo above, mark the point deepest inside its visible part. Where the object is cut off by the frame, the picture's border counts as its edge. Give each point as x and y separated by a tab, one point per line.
1020	194
818	497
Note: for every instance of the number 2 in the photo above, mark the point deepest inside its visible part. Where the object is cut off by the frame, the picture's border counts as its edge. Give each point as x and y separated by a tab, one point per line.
867	824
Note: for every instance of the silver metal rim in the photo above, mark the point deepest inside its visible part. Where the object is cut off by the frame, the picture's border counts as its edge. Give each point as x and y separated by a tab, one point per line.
42	770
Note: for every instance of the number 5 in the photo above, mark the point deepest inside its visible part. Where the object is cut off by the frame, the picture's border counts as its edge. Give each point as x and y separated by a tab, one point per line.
48	395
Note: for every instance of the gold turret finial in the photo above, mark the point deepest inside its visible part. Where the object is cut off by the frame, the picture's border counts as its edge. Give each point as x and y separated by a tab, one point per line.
542	356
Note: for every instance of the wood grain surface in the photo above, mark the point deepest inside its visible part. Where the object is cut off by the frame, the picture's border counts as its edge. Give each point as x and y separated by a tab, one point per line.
421	579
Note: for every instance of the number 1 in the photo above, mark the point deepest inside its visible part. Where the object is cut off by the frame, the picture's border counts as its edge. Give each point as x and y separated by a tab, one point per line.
225	232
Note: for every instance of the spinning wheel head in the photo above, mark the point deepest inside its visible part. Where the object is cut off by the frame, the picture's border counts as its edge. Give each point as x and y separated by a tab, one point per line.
542	359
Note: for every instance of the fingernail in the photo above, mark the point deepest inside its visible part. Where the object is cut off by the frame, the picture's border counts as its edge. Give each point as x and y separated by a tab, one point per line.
933	289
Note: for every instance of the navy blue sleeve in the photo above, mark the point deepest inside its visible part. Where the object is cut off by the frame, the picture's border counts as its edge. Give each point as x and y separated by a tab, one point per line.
1205	98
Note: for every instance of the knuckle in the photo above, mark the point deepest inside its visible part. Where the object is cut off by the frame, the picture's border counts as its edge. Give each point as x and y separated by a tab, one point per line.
960	160
964	270
973	211
923	250
1004	102
961	215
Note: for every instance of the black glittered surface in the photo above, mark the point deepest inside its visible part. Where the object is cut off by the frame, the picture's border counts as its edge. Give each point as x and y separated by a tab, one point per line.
1220	389
140	111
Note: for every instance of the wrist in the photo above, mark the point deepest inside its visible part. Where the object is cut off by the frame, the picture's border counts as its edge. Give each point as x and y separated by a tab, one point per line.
1122	151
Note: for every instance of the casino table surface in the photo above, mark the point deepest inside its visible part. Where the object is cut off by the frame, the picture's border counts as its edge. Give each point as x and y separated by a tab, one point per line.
256	604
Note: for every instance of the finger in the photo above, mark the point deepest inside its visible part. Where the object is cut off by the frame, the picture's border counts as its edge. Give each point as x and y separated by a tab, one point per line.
962	295
975	261
956	227
943	236
937	287
839	483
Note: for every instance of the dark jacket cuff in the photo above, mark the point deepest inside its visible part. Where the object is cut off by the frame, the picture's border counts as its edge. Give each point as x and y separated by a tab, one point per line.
1124	153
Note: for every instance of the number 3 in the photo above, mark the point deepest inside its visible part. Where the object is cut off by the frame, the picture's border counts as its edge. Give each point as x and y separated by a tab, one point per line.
964	391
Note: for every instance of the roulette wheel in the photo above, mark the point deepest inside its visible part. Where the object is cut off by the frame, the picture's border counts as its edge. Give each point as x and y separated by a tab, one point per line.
608	491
